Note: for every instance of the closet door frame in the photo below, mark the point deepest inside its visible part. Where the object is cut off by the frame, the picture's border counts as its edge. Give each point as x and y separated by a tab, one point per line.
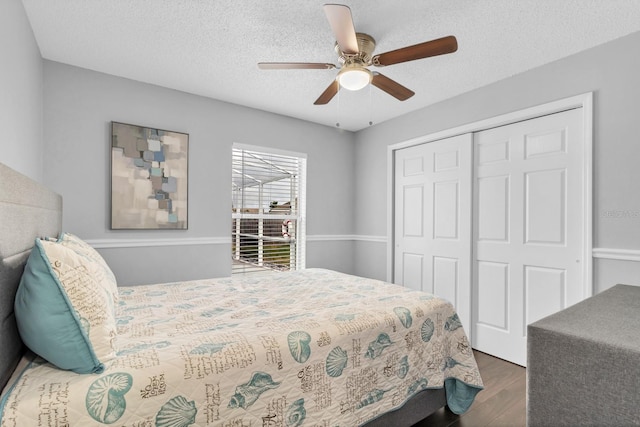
584	101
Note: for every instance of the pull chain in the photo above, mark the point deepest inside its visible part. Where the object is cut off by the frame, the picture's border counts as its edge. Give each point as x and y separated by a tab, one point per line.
338	110
370	105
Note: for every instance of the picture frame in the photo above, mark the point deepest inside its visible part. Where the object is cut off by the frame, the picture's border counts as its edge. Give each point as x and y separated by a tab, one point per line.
149	178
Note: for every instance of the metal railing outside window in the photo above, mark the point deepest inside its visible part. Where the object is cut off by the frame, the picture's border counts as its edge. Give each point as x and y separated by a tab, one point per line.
268	210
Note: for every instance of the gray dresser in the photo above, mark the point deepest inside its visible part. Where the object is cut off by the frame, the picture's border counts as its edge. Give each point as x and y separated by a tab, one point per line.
583	363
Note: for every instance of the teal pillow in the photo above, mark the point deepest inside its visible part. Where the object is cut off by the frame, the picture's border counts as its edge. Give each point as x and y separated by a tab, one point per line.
63	311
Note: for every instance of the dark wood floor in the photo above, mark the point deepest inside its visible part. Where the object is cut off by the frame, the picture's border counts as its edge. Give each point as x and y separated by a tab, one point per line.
501	403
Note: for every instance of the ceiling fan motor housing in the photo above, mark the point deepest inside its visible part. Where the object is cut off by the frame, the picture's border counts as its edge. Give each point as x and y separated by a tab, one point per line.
366	46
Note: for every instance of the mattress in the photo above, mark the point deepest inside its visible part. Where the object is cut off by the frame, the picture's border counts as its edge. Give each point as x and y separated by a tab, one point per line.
311	347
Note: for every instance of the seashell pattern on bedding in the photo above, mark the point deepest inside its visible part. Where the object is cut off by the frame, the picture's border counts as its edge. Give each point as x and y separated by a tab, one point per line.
296	414
177	412
453	323
246	394
404	314
377	346
299	345
336	362
105	401
312	347
427	329
403	367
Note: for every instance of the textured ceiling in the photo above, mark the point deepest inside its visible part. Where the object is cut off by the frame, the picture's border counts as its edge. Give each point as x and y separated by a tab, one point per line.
211	47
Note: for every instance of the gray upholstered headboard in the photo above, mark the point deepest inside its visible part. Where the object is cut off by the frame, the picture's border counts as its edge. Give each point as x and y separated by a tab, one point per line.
27	210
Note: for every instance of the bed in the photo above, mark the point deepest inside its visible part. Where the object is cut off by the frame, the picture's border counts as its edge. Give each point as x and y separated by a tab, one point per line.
312	347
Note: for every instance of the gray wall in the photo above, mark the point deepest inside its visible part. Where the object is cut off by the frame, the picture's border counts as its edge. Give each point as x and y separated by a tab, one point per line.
79	106
611	71
20	92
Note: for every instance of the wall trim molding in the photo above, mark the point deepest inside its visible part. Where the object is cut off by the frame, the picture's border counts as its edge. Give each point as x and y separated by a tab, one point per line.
192	241
597	253
338	237
153	242
617	254
376	239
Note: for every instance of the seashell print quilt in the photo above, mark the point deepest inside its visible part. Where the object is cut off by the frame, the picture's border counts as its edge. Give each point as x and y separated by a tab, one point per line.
305	348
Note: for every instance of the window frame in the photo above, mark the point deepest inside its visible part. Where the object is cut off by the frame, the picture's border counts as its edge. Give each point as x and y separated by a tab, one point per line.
297	238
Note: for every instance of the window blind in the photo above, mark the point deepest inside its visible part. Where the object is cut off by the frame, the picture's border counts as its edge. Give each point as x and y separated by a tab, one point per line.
268	205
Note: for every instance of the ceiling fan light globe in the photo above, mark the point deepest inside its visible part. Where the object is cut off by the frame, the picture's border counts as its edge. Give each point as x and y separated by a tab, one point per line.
354	78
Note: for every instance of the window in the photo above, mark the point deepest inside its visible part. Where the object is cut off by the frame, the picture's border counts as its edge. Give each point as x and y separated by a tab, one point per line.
268	210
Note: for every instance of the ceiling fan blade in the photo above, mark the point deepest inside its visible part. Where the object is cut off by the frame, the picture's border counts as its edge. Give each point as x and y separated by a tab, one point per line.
328	93
392	87
295	66
341	22
435	47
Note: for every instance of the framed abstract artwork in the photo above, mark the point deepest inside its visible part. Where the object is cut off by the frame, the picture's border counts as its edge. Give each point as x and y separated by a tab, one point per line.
149	178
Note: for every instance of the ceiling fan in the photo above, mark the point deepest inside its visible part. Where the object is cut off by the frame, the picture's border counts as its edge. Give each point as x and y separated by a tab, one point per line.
354	53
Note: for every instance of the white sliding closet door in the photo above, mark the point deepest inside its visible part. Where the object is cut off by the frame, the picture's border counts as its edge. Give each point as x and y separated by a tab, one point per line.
528	228
432	236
